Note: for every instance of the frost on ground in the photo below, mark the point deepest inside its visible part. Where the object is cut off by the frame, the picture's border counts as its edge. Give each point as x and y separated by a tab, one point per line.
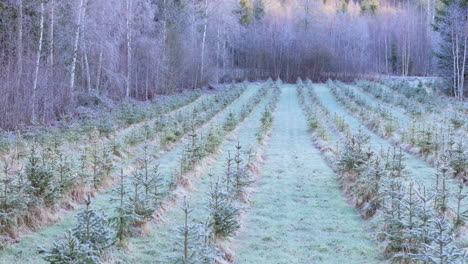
297	207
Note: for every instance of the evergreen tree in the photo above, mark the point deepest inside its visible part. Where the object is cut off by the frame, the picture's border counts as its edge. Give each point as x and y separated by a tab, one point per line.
451	22
224	215
126	217
194	241
245	12
14	196
41	177
241	174
441	251
93	229
70	250
258	9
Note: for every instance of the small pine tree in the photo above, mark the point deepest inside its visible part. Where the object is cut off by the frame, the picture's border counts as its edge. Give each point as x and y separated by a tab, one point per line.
194	241
442	191
422	233
69	250
224	215
230	123
64	172
458	160
229	173
353	154
138	204
96	162
440	251
41	178
93	229
213	140
241	174
107	163
369	186
125	218
461	213
14	197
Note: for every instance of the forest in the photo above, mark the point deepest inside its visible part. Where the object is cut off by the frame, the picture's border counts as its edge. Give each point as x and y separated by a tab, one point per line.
233	131
54	52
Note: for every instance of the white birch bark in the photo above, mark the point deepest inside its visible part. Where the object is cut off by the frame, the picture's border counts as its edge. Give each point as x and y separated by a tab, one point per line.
129	48
205	25
76	46
38	61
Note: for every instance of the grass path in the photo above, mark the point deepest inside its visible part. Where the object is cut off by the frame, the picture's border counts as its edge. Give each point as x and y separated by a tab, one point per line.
26	251
298	214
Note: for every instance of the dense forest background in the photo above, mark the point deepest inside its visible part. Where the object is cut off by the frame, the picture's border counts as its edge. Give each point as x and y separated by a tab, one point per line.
53	51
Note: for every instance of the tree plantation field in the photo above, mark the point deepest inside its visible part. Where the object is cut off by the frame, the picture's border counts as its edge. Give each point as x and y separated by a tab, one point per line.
253	172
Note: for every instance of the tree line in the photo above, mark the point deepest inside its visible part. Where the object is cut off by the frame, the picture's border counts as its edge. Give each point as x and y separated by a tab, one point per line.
52	51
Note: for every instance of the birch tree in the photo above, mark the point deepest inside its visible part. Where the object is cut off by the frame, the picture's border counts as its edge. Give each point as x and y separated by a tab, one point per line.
451	22
76	45
38	62
129	48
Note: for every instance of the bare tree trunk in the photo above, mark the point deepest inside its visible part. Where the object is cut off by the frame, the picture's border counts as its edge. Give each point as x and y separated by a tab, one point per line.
86	62
38	61
462	81
20	46
76	47
386	55
205	25
164	42
147	83
51	37
217	55
129	48
454	56
85	52
88	74
99	70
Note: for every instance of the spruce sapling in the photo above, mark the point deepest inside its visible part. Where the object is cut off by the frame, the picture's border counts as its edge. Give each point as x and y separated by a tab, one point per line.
69	250
125	218
441	251
194	241
93	229
224	215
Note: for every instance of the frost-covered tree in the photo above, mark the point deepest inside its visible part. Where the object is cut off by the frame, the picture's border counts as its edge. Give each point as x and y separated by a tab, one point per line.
85	242
93	229
452	23
194	244
224	215
69	250
441	249
41	177
125	217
